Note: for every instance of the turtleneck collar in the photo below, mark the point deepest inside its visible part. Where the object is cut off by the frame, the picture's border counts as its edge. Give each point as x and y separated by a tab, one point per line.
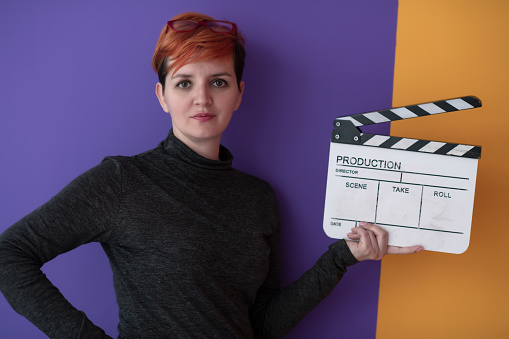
176	148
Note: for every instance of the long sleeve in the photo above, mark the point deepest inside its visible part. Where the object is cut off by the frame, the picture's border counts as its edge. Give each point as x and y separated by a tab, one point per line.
84	211
193	245
277	311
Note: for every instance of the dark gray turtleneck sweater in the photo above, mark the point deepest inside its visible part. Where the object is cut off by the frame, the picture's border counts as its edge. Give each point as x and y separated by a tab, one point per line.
193	244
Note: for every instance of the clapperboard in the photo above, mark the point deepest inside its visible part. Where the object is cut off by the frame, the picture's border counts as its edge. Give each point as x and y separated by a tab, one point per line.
421	192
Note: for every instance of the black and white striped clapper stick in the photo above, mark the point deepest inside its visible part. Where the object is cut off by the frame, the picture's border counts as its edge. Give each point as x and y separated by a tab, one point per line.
346	128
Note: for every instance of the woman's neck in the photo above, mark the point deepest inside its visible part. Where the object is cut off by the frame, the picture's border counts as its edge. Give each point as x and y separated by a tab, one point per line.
206	148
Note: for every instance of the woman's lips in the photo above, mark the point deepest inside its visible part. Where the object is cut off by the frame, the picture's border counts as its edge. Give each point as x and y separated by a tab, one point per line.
203	116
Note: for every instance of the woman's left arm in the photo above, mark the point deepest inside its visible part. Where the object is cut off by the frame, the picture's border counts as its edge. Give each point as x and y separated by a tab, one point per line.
277	311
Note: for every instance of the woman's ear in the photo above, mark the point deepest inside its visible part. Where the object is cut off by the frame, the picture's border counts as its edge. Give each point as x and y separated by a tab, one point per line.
160	97
239	98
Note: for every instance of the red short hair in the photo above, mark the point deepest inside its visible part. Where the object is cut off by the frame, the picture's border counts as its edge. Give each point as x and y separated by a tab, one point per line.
176	49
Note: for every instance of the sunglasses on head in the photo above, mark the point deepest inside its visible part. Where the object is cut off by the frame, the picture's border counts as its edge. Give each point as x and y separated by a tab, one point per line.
217	26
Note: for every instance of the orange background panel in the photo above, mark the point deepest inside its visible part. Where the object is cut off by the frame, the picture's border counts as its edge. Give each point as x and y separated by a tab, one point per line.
447	49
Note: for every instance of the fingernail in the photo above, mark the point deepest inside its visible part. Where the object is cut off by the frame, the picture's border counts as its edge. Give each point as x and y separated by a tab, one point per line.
362	223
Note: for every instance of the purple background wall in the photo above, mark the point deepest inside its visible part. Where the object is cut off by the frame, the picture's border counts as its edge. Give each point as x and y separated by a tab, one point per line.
76	85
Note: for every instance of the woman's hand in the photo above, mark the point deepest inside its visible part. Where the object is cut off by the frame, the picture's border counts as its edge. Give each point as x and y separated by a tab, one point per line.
372	243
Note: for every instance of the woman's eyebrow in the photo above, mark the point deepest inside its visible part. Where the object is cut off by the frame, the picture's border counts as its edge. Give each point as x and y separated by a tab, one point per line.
222	74
183	75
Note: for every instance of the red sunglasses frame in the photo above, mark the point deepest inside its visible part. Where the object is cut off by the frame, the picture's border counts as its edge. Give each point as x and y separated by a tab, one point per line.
169	24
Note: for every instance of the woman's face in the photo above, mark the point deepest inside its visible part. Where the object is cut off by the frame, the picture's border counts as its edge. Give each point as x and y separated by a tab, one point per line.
201	98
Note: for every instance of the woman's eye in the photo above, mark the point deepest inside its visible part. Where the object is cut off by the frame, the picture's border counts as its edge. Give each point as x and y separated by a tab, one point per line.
183	84
219	83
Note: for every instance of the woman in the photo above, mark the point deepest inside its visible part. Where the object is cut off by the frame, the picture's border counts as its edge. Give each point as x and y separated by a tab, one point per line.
192	242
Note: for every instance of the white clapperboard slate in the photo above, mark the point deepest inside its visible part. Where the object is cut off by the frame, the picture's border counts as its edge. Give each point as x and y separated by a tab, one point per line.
421	192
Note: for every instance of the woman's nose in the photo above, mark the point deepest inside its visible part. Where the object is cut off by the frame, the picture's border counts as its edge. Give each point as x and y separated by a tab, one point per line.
203	96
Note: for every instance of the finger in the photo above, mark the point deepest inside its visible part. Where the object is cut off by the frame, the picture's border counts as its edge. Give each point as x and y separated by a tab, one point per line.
377	230
373	240
353	236
379	246
356	231
404	250
368	226
381	236
363	236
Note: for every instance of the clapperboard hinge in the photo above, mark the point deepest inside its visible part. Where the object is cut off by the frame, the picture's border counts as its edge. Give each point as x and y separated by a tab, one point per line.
346	129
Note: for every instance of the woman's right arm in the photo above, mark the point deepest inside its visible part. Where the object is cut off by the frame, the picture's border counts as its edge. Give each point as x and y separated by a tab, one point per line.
84	211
